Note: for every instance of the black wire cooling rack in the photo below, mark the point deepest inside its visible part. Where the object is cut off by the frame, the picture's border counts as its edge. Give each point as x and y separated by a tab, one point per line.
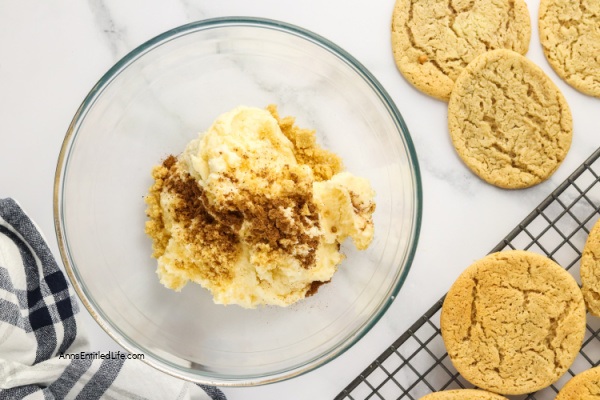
417	363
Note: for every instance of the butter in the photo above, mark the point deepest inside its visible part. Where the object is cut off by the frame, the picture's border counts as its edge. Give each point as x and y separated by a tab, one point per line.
254	211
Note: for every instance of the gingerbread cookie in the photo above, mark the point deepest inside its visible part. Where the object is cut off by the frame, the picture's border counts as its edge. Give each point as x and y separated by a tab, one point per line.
508	121
434	40
590	271
513	322
570	37
463	394
583	386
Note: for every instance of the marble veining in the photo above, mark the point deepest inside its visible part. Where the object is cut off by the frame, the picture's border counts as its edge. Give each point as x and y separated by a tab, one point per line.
115	36
193	10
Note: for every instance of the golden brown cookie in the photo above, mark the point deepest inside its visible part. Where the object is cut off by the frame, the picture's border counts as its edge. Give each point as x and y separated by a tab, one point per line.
590	271
513	322
570	36
508	121
434	40
463	394
583	386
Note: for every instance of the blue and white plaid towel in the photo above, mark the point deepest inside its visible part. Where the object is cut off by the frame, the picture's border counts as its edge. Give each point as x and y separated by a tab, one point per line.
39	320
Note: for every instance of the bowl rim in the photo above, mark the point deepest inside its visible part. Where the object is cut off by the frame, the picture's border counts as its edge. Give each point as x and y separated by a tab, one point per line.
235	21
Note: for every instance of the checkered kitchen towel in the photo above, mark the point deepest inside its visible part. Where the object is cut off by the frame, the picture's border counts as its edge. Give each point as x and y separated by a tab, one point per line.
39	320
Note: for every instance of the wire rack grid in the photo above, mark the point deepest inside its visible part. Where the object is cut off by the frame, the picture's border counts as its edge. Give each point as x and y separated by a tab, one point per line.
417	362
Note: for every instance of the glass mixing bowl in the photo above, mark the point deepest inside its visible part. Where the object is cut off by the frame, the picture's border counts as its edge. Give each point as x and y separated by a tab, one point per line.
149	105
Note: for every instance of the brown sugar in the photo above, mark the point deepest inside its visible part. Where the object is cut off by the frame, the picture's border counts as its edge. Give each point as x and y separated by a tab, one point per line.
211	240
324	163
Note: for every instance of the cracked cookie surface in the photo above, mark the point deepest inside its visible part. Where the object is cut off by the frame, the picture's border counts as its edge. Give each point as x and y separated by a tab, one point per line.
434	40
583	386
570	36
463	394
508	121
590	271
513	322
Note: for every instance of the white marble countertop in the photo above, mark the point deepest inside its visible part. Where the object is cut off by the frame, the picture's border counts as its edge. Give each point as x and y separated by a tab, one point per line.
52	53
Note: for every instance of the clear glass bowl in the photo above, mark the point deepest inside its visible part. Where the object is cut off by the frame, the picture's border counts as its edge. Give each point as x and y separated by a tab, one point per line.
149	105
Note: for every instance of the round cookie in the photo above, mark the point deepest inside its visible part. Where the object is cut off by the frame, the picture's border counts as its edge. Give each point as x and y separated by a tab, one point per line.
583	386
463	394
513	322
590	271
508	121
570	37
434	40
